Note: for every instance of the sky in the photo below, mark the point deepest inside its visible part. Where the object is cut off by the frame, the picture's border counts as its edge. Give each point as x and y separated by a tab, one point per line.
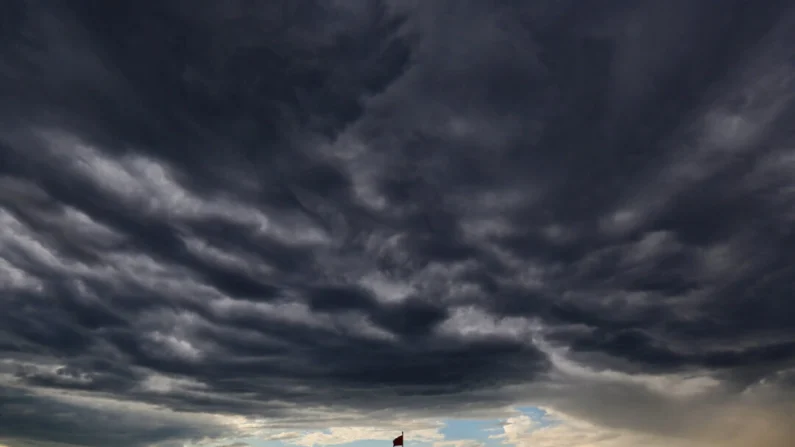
305	223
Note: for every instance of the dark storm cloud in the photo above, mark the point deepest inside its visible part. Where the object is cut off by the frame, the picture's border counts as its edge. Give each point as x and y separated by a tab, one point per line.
51	422
226	206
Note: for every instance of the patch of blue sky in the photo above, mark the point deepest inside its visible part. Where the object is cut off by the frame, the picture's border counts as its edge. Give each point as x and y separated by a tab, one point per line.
457	429
539	416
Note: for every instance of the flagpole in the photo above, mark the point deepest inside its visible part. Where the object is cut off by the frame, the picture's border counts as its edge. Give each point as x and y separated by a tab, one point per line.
394	441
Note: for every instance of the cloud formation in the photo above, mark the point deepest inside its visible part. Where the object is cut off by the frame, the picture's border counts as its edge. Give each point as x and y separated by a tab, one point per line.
221	220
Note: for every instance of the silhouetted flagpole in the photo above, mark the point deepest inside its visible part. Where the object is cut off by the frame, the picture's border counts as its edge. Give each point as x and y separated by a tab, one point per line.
399	439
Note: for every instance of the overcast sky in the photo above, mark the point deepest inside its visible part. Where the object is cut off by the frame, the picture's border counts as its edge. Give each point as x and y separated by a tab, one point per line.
549	223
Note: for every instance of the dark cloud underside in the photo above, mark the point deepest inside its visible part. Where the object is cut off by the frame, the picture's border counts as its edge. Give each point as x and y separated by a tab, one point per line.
317	202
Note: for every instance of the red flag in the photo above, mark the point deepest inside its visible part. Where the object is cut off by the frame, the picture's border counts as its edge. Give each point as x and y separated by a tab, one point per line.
397	441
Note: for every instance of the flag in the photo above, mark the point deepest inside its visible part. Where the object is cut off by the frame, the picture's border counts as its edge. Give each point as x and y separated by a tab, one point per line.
397	441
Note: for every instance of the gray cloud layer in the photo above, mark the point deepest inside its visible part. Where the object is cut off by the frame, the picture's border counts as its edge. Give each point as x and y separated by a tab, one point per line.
233	208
